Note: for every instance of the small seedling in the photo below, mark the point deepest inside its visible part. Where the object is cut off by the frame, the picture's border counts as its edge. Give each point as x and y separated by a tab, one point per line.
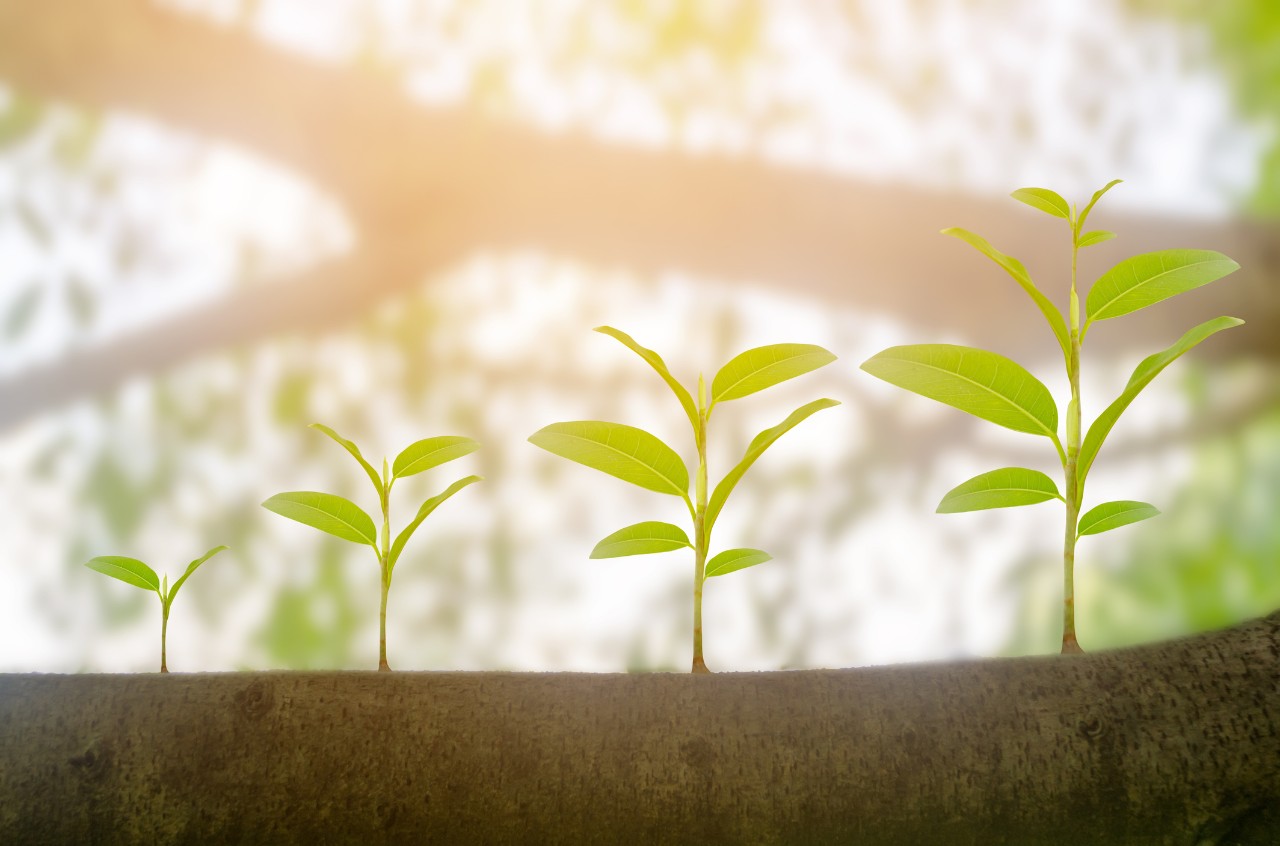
138	574
636	456
343	518
994	388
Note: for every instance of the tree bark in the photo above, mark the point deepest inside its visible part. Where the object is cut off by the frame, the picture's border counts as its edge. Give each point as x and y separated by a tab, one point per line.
1174	743
426	187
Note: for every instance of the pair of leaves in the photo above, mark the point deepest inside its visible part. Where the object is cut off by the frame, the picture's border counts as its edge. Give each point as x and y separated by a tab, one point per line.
640	458
134	572
340	517
745	374
1050	202
1132	284
413	459
655	536
1010	487
997	389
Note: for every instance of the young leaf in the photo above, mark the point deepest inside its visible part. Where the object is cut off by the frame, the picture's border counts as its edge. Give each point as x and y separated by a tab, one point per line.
1003	488
424	511
642	539
1146	370
326	512
982	383
736	559
1097	195
626	452
755	449
350	447
191	568
655	361
1113	515
1095	237
129	570
1019	273
764	367
1047	201
431	452
1143	280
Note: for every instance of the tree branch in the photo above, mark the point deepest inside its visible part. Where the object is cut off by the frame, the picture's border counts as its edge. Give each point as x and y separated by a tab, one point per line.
406	173
1167	744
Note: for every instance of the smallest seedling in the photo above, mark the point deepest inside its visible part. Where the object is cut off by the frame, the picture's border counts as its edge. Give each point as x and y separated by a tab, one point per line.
138	574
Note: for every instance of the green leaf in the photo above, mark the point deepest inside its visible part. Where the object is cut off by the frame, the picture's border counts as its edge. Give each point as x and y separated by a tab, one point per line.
985	384
626	452
1095	237
755	449
355	453
1113	515
129	570
1143	280
424	511
1097	195
642	539
1019	273
431	452
735	559
655	361
327	512
1146	370
191	568
1045	200
1003	488
764	367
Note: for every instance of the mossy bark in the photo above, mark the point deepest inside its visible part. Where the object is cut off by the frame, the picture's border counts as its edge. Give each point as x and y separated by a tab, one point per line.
1176	743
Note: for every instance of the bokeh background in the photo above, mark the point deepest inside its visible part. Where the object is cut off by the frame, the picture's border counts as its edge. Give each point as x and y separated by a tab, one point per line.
221	220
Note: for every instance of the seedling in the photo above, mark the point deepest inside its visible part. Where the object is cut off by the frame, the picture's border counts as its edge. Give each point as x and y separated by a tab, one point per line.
138	574
636	456
344	519
994	388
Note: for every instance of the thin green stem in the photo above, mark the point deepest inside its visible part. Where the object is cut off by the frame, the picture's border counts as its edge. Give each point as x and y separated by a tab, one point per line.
700	529
1070	468
384	558
164	634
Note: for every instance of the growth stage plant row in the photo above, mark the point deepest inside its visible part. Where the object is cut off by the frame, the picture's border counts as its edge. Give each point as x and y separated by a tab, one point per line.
982	383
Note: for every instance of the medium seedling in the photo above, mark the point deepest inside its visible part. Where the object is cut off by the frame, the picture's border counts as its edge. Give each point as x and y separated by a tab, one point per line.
138	574
995	388
636	456
344	519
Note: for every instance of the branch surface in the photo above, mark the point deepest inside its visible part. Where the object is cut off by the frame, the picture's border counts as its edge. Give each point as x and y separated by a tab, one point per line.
1174	743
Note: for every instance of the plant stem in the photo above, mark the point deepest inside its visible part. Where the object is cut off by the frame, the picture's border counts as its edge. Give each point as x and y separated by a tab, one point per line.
700	529
384	568
1073	493
382	626
164	633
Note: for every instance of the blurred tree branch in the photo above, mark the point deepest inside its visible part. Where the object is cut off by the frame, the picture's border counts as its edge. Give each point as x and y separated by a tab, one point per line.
424	188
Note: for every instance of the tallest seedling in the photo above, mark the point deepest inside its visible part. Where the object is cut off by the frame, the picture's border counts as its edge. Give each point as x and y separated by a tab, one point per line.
994	388
636	456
